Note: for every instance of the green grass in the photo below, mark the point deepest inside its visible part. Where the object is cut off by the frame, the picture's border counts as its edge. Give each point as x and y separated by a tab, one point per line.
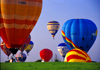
50	66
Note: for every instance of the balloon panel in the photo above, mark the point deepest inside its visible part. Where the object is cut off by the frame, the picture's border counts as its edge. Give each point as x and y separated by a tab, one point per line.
62	44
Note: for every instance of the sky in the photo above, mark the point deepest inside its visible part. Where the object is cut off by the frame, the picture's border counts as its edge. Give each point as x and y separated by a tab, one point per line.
61	11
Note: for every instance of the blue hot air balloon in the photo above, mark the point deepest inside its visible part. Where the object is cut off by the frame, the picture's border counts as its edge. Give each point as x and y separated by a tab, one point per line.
62	49
79	33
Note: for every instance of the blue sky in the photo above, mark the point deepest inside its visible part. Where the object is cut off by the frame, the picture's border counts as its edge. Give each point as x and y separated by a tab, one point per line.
61	11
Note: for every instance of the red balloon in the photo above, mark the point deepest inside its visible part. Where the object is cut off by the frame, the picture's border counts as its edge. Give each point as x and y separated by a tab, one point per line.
46	54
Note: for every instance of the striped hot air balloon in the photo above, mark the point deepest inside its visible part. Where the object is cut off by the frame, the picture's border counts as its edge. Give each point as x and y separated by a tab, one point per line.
29	47
77	55
62	49
53	27
17	19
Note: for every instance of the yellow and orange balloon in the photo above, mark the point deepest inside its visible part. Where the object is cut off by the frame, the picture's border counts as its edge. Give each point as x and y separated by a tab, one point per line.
77	55
17	19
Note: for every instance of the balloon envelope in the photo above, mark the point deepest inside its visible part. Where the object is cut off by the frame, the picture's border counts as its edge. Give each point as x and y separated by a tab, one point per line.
20	57
53	27
79	33
77	55
46	54
25	43
18	19
29	47
5	49
62	49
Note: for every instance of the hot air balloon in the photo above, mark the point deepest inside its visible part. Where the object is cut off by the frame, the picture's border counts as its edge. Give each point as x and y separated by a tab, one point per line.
18	19
46	54
62	49
77	55
20	57
29	47
0	18
79	33
5	49
25	43
53	27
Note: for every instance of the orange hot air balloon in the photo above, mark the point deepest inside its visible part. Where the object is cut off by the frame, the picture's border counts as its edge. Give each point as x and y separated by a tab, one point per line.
77	55
18	19
0	19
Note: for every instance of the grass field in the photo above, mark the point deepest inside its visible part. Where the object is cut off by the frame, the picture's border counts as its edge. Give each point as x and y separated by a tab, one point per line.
50	66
